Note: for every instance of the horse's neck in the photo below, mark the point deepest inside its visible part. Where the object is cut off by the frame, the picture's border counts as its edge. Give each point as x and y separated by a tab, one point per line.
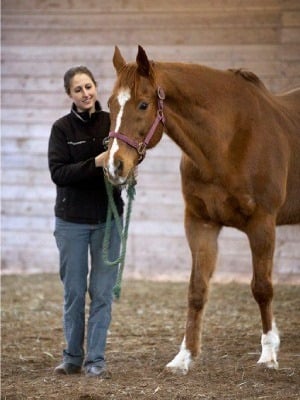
189	120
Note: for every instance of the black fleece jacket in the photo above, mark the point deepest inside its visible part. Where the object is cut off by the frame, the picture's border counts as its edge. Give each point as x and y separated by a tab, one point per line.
75	140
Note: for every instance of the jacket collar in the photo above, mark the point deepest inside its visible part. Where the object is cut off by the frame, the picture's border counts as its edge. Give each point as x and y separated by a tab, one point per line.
85	116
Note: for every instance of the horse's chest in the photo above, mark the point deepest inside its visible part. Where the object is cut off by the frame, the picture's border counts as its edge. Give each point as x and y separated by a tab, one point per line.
214	203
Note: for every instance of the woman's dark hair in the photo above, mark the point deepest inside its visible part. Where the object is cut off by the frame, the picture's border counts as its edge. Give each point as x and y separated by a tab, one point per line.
69	75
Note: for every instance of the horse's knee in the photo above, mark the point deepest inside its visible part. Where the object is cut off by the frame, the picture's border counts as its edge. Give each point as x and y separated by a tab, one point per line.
262	290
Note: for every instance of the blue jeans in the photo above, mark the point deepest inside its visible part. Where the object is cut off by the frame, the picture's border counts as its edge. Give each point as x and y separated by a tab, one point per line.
74	241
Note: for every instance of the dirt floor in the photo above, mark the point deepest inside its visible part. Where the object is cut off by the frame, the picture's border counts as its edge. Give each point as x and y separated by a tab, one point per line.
147	328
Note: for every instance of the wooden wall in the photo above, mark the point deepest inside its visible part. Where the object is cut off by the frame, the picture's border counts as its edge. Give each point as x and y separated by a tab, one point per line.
43	38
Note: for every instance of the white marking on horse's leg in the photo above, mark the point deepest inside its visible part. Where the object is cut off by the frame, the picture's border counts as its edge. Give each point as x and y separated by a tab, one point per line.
270	346
123	97
182	362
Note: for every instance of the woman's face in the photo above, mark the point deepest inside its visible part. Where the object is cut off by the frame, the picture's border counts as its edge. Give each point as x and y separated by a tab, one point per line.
83	92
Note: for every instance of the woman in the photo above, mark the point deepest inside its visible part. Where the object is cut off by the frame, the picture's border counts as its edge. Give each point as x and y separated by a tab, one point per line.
74	156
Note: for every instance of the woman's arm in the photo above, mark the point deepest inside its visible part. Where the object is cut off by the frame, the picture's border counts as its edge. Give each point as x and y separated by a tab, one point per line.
63	170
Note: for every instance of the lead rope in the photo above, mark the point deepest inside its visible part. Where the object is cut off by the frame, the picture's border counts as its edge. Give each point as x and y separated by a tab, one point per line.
112	213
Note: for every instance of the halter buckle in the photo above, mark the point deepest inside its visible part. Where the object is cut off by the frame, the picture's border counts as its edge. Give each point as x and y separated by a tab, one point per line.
105	142
161	93
141	148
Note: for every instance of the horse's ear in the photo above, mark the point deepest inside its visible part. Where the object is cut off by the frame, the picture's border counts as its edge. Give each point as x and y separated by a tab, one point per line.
118	60
144	66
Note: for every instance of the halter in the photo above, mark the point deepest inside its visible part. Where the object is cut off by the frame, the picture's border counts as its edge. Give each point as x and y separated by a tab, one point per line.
142	146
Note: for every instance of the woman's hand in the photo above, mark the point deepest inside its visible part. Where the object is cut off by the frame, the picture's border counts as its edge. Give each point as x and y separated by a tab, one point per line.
100	160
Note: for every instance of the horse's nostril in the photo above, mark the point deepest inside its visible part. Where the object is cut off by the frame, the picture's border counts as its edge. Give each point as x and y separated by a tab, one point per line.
119	166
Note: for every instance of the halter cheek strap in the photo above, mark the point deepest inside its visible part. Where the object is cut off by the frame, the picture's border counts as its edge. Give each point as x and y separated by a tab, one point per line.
142	146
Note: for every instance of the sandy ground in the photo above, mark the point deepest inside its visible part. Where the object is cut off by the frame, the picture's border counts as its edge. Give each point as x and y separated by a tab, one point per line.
147	328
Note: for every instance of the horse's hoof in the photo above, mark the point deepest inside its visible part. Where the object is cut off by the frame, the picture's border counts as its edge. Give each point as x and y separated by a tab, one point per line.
272	364
176	370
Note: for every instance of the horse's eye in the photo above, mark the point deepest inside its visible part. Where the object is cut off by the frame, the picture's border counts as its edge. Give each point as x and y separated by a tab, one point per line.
143	106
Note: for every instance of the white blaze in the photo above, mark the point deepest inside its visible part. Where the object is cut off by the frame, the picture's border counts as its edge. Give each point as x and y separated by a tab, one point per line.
123	97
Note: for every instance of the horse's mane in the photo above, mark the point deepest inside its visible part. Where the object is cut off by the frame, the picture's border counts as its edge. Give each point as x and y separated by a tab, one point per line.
248	76
131	77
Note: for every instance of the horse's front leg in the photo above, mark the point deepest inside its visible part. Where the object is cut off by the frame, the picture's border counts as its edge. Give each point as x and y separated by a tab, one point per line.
261	234
202	238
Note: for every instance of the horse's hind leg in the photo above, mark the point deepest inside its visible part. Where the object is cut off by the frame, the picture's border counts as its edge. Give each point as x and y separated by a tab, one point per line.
261	234
202	238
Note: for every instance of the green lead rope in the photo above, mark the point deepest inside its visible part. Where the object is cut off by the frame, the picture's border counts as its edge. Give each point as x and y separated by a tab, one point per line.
112	214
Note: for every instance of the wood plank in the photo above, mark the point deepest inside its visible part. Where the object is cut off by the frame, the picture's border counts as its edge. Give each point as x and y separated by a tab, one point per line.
287	249
25	144
193	36
21	130
21	192
290	35
143	20
42	77
22	223
38	101
42	261
290	233
39	240
184	52
30	208
287	267
163	196
289	52
27	161
34	116
291	18
15	177
47	84
103	71
39	6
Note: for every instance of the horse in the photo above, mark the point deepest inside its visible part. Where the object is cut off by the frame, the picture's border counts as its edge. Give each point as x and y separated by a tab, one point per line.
240	167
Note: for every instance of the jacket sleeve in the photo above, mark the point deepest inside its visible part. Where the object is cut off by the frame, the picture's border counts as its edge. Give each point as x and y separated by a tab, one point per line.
63	170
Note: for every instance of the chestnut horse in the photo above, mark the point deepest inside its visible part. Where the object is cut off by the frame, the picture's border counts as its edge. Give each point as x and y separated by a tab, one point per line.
240	167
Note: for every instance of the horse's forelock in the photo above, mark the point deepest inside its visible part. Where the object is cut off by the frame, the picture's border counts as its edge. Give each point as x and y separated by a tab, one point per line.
130	77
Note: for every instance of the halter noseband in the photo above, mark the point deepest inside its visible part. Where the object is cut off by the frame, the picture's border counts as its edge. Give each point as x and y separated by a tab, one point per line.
142	146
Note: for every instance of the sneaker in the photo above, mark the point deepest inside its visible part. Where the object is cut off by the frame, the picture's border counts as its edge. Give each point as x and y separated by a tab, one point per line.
97	371
67	369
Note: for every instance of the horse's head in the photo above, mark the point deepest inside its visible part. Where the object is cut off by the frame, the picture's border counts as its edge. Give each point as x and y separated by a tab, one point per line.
136	112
